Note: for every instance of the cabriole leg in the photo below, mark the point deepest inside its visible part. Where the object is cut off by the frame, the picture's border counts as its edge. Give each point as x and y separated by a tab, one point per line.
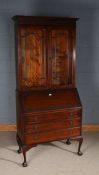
79	147
24	155
22	149
19	144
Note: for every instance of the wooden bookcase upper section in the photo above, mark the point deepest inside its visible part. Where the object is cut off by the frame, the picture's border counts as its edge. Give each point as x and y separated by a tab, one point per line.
45	52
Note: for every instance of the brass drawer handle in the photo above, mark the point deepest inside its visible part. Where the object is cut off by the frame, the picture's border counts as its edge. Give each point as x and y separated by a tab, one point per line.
35	128
71	132
71	114
36	137
71	123
35	119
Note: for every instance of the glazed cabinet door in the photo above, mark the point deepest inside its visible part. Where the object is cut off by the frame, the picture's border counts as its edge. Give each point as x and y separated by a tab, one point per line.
31	57
61	53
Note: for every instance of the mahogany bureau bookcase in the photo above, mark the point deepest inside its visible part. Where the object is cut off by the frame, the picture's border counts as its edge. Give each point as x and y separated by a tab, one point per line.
47	101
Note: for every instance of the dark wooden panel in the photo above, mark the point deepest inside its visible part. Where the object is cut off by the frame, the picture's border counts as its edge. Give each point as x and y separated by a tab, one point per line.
32	52
53	125
50	100
50	136
59	115
60	57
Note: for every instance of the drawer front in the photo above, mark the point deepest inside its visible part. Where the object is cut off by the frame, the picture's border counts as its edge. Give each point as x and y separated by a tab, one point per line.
41	127
52	116
51	136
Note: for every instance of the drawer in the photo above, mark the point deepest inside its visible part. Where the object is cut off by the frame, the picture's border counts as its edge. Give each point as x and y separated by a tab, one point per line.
52	135
52	116
41	127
